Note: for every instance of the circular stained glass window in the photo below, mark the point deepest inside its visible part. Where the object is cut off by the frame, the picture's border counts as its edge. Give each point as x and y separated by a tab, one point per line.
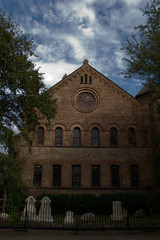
85	100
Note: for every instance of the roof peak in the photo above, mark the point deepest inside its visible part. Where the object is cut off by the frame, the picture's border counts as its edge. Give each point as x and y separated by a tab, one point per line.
85	62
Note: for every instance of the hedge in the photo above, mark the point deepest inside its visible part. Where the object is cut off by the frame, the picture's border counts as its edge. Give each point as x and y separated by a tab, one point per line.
81	203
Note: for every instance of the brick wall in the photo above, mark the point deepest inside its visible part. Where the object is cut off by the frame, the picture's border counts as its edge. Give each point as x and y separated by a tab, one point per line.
114	108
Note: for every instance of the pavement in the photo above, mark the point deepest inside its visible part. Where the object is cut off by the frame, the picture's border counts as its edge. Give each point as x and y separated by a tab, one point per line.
11	234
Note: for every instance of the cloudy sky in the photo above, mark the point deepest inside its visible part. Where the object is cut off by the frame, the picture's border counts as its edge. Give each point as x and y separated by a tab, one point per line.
68	31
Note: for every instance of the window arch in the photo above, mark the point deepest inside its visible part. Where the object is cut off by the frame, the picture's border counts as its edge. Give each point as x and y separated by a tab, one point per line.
58	137
40	136
95	137
76	137
113	137
131	137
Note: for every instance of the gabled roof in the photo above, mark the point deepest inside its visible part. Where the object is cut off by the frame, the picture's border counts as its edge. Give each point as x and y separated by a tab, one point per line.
107	80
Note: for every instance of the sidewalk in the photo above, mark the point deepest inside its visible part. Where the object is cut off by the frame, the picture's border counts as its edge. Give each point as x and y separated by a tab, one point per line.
10	234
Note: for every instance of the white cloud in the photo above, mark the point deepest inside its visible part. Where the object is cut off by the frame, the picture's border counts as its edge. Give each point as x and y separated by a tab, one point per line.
43	49
33	8
45	52
133	2
65	11
87	31
83	11
53	72
118	58
116	42
78	48
49	16
40	29
76	10
90	1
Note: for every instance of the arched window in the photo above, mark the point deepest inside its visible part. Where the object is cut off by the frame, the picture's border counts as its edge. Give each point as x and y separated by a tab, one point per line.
58	137
40	136
95	137
76	137
113	137
131	137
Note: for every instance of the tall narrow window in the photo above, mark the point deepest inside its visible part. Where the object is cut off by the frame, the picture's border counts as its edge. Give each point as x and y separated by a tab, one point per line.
58	137
90	79
40	136
134	176
131	137
76	137
113	137
96	176
76	176
37	175
85	78
56	175
115	176
95	137
81	79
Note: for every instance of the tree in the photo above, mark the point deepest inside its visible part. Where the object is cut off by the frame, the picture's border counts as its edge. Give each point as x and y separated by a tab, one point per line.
10	178
143	49
22	93
22	90
143	62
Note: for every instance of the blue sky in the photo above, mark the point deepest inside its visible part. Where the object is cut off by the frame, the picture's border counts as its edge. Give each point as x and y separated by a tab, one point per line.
68	31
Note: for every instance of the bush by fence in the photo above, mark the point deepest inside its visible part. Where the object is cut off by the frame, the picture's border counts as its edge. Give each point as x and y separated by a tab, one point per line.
81	203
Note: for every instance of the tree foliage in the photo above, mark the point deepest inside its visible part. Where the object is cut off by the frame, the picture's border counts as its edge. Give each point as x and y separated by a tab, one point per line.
143	49
8	171
23	98
10	180
22	90
143	62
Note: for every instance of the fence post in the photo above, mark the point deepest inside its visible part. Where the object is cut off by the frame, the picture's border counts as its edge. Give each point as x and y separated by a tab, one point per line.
25	219
128	225
76	214
76	226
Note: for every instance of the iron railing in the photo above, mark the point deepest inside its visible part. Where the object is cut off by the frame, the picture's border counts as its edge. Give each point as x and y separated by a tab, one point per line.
40	216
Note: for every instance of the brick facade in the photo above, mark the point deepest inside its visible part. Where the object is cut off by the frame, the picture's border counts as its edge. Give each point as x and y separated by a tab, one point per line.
87	100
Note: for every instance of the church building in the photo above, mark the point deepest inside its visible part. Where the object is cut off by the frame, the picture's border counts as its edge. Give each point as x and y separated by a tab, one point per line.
99	141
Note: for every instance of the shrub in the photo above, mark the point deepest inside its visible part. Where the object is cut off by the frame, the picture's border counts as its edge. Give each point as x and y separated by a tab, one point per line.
82	203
